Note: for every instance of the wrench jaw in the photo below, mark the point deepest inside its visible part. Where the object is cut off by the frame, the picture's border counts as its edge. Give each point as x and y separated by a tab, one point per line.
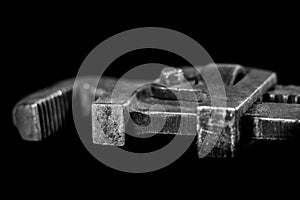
108	119
110	112
108	124
219	128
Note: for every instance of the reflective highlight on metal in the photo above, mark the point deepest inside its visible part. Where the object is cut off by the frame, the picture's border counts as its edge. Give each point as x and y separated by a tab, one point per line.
243	88
43	113
278	116
46	112
178	102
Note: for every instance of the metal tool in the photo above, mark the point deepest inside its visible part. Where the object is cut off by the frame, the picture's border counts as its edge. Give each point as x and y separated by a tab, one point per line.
45	112
217	128
247	90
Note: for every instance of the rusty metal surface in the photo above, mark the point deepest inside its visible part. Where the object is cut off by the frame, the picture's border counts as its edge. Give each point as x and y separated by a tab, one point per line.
45	112
109	113
170	105
243	88
196	115
240	97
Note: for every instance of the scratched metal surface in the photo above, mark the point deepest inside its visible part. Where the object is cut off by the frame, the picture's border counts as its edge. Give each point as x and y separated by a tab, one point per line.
198	115
277	117
44	112
240	98
275	121
153	108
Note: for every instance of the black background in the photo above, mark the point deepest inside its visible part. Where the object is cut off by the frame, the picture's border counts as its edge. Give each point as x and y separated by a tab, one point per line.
44	49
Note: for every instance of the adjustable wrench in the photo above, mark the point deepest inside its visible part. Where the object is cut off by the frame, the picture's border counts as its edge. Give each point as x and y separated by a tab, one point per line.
43	113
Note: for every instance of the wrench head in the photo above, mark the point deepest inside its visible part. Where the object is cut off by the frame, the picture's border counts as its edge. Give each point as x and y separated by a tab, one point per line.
182	108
